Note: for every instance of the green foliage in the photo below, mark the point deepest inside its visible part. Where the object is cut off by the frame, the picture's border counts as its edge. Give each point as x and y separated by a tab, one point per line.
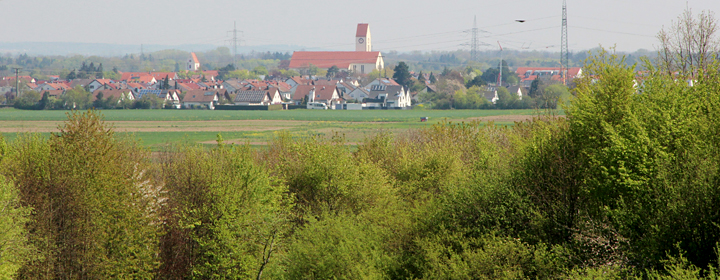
77	98
92	201
323	176
240	75
402	74
313	70
332	71
342	247
477	81
14	248
27	100
225	226
449	256
260	71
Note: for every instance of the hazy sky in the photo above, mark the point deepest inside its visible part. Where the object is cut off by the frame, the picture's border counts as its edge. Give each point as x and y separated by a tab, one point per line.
395	25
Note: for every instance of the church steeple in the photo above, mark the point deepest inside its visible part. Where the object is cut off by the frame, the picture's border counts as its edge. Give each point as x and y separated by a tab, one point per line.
362	38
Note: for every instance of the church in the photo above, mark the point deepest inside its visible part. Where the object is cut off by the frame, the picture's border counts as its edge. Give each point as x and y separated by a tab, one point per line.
362	61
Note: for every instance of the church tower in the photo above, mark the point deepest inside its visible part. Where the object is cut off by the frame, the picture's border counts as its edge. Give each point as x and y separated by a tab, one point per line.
362	38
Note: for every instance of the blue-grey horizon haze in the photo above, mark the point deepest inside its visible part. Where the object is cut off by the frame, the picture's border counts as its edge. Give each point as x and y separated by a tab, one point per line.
330	25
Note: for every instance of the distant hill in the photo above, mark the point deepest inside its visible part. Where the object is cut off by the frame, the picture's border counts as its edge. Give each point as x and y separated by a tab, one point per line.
90	49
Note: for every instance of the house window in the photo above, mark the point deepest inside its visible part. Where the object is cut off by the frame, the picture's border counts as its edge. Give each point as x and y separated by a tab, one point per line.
362	69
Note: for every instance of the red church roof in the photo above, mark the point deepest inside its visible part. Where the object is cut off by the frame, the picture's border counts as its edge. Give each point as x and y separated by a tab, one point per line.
328	59
362	30
194	57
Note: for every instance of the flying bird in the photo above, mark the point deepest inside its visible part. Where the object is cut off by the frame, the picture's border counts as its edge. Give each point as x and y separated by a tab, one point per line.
520	20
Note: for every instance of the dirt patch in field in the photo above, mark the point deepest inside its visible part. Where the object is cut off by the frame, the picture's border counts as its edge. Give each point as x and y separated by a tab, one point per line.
504	118
255	143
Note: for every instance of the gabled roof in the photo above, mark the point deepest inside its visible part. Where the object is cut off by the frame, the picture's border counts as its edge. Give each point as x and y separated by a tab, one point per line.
233	83
136	85
362	30
324	92
299	80
80	82
347	85
189	86
329	59
361	89
392	91
250	96
194	58
104	81
301	91
200	95
383	81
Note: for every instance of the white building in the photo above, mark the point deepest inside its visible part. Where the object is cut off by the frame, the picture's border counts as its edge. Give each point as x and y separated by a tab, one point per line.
193	64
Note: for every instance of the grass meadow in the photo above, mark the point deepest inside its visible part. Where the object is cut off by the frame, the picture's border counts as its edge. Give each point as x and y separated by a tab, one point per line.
156	128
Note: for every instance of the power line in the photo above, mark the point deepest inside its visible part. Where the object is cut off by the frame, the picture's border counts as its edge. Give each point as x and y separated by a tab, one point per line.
609	31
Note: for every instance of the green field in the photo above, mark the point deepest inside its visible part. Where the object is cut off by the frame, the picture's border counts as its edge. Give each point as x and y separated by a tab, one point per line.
305	115
156	128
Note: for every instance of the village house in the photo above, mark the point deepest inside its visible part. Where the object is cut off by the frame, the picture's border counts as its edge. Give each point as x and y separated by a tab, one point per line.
200	98
388	97
358	94
119	95
169	97
101	83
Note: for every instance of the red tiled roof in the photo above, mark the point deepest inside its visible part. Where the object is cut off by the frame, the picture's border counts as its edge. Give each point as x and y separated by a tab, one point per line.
212	73
200	95
362	30
324	92
328	59
301	91
136	85
26	79
194	57
190	86
104	81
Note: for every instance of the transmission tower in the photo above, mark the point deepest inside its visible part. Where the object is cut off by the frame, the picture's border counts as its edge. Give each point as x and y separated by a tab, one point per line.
564	55
234	42
500	67
17	81
474	43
